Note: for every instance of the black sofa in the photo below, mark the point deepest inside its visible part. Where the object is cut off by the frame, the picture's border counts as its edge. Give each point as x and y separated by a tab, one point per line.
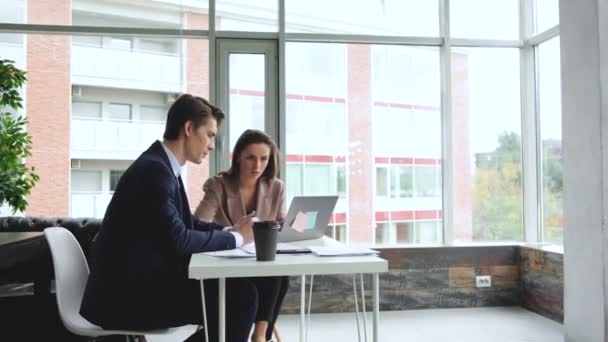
28	310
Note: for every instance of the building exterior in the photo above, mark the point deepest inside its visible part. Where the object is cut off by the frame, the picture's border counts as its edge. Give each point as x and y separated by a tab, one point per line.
363	121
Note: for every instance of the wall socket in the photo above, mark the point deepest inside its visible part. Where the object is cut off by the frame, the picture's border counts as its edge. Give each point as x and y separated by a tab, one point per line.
483	281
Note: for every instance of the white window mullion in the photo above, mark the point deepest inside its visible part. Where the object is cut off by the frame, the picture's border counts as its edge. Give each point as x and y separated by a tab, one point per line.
530	130
446	122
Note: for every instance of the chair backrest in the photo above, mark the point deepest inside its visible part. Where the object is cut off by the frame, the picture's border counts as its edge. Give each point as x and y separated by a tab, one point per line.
71	272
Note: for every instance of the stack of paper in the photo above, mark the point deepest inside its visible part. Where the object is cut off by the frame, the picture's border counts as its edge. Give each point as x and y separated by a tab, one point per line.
231	253
341	251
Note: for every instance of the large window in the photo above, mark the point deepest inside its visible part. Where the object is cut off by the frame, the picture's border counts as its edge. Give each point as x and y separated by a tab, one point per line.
551	140
369	114
385	18
486	19
487	144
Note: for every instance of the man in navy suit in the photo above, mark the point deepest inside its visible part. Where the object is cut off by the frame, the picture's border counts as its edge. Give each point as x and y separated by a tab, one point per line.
139	267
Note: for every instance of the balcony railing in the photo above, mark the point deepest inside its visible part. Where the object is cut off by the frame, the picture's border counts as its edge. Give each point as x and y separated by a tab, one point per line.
127	69
89	204
117	140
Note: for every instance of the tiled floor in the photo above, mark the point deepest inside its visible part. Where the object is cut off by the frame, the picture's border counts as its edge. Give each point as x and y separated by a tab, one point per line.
503	324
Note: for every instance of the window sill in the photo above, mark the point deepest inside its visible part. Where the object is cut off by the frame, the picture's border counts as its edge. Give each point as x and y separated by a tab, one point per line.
546	247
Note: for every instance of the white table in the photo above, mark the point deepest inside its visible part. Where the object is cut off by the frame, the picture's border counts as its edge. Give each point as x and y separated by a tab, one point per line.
210	267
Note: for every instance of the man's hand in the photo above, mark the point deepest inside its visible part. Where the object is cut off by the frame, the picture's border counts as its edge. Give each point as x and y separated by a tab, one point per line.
245	227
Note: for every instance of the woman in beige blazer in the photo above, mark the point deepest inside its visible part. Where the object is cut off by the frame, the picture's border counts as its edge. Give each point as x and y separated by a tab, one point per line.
251	185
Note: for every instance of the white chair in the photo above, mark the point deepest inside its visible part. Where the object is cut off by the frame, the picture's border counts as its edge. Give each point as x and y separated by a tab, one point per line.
71	273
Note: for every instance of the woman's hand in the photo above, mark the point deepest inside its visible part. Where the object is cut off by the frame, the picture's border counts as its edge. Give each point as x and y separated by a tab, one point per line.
245	227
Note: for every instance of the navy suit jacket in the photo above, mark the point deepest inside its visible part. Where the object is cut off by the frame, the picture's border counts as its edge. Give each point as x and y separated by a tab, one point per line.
139	259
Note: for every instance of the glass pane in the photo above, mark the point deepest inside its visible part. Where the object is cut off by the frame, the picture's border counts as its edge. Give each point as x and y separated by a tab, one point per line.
114	178
247	84
487	138
549	85
126	91
404	232
86	109
402	179
427	179
368	17
242	15
484	19
381	181
86	181
358	100
427	232
178	14
294	180
547	14
317	179
382	233
407	134
153	113
120	111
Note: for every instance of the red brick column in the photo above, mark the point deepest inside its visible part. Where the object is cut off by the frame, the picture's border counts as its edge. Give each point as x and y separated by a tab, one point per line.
461	158
360	161
196	61
48	108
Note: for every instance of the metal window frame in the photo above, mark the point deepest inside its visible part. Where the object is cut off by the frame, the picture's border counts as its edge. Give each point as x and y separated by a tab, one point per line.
528	75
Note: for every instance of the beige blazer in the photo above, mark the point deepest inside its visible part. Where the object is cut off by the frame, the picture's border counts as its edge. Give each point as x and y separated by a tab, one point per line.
223	205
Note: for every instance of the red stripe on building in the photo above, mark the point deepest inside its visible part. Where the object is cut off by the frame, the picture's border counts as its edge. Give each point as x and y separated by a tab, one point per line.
318	159
318	98
340	218
403	215
339	159
381	216
427	214
315	98
295	97
251	92
426	161
382	160
401	105
406	161
422	107
295	158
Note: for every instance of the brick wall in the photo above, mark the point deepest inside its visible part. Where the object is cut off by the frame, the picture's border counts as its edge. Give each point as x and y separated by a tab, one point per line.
542	282
360	159
48	109
461	157
444	277
197	83
424	278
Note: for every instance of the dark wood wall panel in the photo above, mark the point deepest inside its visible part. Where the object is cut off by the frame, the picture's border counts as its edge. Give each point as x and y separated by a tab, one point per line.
542	282
421	278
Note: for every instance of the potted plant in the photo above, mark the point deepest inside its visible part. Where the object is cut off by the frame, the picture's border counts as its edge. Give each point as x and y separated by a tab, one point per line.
16	178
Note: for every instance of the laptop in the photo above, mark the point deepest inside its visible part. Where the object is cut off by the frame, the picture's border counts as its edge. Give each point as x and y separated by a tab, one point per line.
307	218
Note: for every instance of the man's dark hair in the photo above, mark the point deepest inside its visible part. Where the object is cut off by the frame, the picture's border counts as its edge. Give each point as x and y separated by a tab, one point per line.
190	108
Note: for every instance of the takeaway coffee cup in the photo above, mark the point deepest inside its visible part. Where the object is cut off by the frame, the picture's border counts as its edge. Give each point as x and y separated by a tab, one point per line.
265	238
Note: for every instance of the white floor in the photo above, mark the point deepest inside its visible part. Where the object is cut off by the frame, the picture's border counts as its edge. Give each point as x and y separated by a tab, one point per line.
500	324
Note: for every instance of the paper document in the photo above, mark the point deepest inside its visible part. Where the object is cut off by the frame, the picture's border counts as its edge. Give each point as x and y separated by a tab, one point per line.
341	251
231	253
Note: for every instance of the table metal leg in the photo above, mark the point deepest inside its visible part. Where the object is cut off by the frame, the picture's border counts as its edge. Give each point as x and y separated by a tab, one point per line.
302	308
363	306
222	310
356	307
312	277
376	295
205	326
